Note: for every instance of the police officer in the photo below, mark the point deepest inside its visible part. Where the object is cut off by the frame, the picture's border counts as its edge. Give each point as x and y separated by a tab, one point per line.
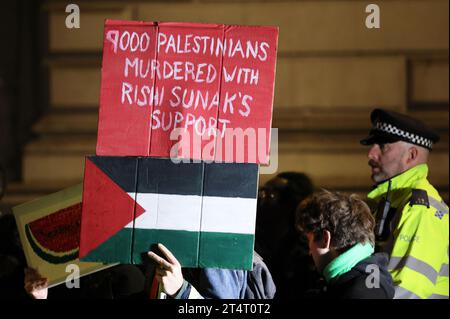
412	220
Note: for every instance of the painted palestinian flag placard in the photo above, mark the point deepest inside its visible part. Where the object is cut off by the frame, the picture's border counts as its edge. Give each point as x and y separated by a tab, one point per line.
195	209
49	230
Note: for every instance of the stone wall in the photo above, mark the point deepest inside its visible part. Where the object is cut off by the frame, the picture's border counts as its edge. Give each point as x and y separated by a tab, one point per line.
331	72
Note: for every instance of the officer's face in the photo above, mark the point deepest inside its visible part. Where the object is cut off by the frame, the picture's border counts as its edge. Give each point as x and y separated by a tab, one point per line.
386	160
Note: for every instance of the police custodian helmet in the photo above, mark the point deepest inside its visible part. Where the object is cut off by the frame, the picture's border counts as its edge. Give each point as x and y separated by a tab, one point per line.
390	127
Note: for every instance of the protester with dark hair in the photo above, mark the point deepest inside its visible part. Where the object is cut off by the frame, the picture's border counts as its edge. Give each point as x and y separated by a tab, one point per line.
341	241
282	248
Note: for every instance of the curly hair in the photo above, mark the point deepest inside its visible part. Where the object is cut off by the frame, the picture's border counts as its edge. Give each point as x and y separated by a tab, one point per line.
346	217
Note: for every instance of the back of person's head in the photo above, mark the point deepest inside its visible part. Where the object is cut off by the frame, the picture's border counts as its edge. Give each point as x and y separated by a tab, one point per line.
287	188
277	201
298	186
346	217
280	195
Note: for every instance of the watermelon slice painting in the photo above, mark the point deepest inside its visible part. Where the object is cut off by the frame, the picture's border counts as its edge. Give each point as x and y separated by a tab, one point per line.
49	230
55	238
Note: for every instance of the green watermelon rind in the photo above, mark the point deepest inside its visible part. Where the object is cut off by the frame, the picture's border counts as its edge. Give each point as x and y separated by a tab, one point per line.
46	256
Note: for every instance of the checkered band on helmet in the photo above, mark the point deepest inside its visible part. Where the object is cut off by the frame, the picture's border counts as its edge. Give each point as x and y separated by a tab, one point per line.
413	138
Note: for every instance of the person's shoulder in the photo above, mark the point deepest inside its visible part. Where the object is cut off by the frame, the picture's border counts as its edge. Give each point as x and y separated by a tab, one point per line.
425	198
365	288
362	286
369	279
424	188
419	197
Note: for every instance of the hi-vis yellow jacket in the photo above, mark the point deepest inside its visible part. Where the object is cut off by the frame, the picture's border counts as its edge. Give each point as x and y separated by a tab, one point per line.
418	243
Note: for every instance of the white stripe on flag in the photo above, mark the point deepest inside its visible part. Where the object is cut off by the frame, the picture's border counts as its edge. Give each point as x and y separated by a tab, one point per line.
228	215
162	211
182	212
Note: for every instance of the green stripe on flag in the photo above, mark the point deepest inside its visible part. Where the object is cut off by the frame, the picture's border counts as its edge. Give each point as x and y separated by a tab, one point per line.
217	250
116	249
224	250
227	250
182	244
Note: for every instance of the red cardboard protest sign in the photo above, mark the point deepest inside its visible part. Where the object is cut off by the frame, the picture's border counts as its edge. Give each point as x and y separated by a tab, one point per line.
124	117
247	87
192	83
197	91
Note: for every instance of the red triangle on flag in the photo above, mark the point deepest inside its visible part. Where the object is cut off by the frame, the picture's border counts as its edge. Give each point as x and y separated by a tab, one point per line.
107	209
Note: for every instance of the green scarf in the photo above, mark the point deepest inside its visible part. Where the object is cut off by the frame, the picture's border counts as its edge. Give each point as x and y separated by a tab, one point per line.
346	261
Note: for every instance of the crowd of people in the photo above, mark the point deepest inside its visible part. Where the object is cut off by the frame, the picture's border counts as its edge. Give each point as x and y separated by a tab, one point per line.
309	242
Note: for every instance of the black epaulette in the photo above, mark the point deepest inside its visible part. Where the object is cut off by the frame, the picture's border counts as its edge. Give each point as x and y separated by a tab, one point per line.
419	197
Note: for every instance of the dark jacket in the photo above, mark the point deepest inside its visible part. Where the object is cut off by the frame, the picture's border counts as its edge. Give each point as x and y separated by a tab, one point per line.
363	282
218	283
260	284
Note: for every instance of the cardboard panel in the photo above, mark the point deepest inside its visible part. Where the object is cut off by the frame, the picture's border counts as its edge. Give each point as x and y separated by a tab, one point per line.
228	215
126	97
189	75
246	101
171	195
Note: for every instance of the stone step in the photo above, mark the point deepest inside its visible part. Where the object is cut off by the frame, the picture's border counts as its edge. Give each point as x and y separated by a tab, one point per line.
73	144
57	158
334	160
356	83
305	26
310	93
68	123
334	142
309	120
430	80
346	119
18	193
74	86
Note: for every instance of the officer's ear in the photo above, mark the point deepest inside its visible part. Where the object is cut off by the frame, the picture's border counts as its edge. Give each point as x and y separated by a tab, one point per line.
413	153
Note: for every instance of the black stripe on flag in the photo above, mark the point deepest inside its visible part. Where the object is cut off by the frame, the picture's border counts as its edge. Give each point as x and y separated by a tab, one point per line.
162	176
231	180
121	170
